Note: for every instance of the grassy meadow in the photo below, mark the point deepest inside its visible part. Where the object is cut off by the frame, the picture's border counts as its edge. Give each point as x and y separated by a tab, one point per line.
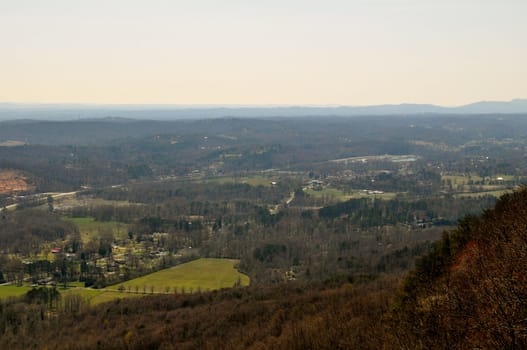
496	194
7	291
338	195
256	180
204	274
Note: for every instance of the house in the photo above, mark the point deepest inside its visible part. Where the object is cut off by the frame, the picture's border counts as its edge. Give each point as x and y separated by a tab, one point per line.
56	250
316	185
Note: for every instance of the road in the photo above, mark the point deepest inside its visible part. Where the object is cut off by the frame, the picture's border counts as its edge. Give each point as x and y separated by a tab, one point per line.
276	209
54	195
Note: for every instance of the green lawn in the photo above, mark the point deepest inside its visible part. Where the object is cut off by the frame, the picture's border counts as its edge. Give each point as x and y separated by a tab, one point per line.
202	273
13	291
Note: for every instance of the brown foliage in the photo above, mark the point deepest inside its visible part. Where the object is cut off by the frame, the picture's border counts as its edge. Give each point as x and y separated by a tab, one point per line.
480	299
292	316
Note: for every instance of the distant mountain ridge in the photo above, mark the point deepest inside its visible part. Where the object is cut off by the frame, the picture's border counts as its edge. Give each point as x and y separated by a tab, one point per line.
10	111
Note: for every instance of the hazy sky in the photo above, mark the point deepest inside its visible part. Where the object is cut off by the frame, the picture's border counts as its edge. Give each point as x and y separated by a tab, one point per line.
347	52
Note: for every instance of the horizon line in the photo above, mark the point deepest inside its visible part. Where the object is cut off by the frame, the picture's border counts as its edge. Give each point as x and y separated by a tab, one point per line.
234	105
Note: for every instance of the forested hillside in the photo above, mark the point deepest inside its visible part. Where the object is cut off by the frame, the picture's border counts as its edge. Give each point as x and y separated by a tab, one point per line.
471	290
468	292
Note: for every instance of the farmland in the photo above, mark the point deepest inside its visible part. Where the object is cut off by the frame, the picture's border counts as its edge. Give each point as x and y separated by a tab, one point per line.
339	195
98	296
202	274
250	180
8	291
198	275
497	193
463	186
386	157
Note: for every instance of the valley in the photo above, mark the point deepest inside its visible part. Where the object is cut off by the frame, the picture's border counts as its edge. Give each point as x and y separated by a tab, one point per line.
237	205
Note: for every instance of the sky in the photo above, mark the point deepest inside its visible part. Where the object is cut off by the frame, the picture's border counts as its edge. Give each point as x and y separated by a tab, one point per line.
280	52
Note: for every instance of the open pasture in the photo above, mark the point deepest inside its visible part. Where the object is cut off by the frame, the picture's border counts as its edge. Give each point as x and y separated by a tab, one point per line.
7	291
338	195
256	180
204	274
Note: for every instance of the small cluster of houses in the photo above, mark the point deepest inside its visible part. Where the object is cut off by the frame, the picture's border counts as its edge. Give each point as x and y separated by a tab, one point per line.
58	250
372	192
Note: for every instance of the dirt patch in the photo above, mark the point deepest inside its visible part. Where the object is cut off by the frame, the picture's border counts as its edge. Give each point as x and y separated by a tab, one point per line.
14	181
12	143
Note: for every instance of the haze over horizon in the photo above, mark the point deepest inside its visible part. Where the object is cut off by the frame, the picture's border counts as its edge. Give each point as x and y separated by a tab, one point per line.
290	52
30	104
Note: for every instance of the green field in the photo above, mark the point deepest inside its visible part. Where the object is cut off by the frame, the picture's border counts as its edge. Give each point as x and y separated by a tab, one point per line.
385	195
385	157
7	291
98	296
250	180
331	193
459	179
497	194
89	201
335	194
90	228
202	273
463	180
92	295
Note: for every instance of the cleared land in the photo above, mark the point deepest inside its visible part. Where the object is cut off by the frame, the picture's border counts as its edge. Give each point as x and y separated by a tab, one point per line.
90	229
198	274
250	180
12	143
476	186
464	180
98	296
338	195
201	274
87	201
7	291
13	181
496	194
385	157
